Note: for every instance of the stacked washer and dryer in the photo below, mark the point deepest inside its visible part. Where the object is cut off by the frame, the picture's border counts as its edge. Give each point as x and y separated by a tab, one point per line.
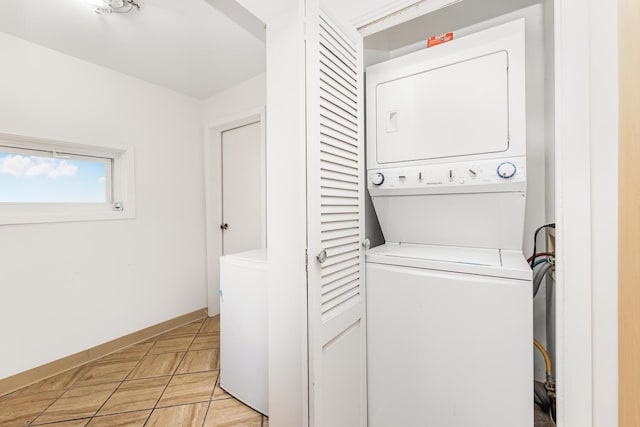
449	295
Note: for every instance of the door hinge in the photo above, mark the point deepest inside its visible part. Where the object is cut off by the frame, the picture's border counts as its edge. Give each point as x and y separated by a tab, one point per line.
310	34
306	259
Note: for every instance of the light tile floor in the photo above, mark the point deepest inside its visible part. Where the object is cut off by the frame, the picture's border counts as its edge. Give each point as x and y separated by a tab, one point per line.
169	381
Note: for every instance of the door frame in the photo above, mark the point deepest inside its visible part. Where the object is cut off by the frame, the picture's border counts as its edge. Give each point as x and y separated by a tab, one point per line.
586	211
213	194
579	291
574	366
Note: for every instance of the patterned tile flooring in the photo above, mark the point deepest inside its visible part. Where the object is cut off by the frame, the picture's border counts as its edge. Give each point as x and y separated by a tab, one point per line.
171	380
168	381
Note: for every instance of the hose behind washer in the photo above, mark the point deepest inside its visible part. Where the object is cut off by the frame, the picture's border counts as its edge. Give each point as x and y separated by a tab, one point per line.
539	275
547	359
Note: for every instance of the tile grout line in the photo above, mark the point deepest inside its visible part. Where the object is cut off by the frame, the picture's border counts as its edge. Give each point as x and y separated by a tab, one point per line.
55	423
155	339
172	376
98	410
174	405
66	389
196	334
50	405
146	353
206	414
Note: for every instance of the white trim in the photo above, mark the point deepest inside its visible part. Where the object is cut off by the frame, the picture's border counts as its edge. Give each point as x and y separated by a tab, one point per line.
213	194
380	13
574	365
397	13
604	211
122	185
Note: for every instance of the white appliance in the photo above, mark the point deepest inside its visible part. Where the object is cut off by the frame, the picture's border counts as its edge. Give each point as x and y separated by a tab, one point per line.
449	296
243	328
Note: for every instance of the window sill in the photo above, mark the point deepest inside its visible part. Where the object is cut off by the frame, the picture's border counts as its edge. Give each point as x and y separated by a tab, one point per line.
15	214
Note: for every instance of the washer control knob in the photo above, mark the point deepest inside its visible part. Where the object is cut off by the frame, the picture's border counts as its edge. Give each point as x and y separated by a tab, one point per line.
377	179
506	170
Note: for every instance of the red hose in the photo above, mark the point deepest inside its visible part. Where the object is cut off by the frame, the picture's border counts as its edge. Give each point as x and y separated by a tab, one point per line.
540	254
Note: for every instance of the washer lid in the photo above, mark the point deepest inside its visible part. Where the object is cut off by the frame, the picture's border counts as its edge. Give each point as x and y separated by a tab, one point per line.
482	261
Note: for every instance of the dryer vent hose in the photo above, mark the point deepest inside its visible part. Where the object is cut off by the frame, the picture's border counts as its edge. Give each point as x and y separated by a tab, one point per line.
539	275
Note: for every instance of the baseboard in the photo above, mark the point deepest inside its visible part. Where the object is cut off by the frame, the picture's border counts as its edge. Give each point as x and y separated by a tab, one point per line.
50	369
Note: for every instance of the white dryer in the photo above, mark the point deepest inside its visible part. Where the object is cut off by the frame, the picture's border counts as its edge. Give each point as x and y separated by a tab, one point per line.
449	296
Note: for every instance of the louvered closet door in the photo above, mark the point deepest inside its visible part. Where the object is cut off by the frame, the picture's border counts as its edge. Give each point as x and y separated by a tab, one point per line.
335	165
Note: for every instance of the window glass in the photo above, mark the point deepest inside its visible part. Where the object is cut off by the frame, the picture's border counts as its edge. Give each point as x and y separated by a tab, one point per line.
28	176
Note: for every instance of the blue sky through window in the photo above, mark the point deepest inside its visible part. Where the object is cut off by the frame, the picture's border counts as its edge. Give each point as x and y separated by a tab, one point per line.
34	179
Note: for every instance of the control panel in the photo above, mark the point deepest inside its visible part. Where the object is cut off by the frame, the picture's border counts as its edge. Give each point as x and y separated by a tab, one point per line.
480	176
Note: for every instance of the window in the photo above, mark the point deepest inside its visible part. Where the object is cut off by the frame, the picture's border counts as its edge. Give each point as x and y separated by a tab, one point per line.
28	176
48	181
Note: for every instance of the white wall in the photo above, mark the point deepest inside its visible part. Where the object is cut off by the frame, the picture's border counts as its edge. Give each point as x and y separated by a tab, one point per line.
286	220
228	104
219	111
70	286
268	11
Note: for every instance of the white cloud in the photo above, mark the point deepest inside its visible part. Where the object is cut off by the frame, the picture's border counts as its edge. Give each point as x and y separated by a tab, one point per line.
15	165
37	168
102	179
18	165
64	168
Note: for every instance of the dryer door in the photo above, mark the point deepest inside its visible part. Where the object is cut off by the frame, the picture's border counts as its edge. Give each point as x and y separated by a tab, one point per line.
454	110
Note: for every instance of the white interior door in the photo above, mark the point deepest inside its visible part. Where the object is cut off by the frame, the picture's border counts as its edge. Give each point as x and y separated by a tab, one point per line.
335	218
242	189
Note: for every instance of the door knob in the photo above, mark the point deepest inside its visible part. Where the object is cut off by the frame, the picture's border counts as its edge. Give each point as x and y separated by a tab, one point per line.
322	256
224	226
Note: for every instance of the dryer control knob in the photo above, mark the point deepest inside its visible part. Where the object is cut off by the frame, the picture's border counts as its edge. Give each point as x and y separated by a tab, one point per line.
377	179
506	170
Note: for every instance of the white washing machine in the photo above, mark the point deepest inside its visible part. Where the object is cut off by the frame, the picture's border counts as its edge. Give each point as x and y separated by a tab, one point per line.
450	341
449	295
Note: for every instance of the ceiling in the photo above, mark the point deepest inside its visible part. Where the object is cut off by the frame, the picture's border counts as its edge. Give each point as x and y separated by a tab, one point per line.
184	45
349	11
450	18
196	47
